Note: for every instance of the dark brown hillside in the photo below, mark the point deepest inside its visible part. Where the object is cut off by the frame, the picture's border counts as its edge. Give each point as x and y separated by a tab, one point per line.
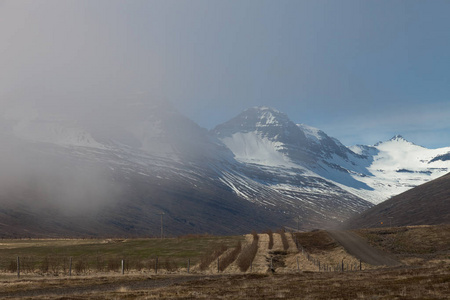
427	204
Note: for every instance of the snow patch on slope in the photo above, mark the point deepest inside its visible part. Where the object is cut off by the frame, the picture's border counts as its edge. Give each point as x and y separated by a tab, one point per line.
313	134
31	125
250	147
398	165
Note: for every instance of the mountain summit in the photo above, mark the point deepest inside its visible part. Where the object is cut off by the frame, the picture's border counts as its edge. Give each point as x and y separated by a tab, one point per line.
265	135
398	137
266	120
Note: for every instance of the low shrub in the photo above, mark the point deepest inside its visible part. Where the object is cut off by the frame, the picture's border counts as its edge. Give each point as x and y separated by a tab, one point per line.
80	266
247	255
169	265
284	239
213	254
270	233
230	257
12	266
45	265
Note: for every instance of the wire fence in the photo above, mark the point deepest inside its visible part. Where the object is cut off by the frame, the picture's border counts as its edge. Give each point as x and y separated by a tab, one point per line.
88	264
327	267
217	261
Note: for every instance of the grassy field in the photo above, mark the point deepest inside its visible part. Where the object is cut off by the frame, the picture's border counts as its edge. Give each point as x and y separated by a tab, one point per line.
416	245
91	255
424	251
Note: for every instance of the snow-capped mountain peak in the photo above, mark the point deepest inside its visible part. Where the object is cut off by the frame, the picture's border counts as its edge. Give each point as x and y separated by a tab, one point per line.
269	116
395	139
398	137
267	137
264	135
256	118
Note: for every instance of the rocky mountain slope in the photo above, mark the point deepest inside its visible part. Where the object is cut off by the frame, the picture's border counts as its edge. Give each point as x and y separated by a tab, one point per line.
65	175
118	178
427	204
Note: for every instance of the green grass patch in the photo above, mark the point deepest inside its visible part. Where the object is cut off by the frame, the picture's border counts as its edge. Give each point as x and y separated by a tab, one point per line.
104	254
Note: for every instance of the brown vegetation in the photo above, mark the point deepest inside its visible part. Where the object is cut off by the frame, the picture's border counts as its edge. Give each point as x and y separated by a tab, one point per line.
230	257
284	240
315	241
399	283
247	255
212	256
417	245
375	284
270	233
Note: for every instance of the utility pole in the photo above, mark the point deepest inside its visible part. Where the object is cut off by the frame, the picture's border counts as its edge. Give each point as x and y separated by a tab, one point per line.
161	214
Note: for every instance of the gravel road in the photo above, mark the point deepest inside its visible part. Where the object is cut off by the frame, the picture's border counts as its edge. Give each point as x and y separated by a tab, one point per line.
359	248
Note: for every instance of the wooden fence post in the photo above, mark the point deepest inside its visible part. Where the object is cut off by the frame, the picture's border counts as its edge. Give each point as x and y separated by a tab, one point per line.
360	265
18	267
298	265
189	264
70	267
122	267
156	265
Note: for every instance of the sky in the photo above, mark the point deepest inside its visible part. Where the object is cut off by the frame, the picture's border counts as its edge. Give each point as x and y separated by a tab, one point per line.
362	71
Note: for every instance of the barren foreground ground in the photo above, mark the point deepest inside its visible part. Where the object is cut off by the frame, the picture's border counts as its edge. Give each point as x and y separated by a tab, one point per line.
399	283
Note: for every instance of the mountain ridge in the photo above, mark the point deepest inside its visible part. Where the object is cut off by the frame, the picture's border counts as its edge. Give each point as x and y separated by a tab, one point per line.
426	204
365	171
259	163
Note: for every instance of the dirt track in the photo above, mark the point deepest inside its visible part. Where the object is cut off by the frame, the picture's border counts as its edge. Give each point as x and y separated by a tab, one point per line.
358	247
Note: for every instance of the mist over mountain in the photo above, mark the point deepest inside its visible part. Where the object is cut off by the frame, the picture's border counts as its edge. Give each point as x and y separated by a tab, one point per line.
110	170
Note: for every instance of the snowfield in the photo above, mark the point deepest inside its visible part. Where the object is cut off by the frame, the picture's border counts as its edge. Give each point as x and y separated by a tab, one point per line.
374	173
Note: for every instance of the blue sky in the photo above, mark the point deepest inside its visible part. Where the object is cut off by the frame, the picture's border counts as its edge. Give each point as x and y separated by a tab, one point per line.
362	71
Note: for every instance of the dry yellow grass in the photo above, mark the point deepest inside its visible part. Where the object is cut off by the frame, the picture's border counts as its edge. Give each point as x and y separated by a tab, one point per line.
397	283
414	245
